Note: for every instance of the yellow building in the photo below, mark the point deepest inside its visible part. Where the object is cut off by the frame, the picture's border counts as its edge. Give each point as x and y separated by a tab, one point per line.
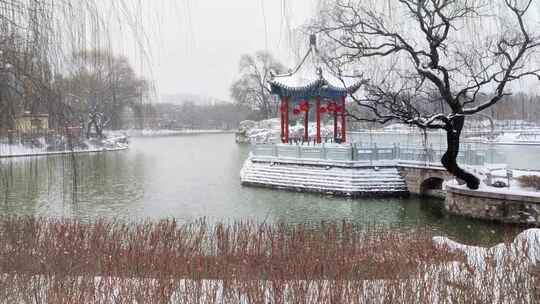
30	123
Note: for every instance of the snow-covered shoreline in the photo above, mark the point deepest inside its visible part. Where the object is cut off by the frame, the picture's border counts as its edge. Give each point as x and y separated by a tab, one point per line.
117	143
163	132
51	153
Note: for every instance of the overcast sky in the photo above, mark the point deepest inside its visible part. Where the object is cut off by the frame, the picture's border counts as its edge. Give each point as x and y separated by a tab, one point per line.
196	44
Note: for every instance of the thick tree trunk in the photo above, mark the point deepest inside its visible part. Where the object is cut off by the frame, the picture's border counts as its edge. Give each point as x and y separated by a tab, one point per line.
449	159
88	129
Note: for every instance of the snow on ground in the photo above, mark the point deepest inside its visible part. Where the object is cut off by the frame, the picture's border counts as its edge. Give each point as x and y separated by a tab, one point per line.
19	150
498	173
493	272
514	189
522	138
525	247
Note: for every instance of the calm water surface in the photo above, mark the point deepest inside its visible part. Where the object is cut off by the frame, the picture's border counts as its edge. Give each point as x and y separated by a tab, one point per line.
190	177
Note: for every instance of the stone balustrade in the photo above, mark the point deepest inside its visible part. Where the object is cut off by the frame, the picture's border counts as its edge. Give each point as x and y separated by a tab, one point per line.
358	153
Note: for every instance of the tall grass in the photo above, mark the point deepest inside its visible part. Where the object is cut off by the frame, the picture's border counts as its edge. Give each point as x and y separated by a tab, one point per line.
69	261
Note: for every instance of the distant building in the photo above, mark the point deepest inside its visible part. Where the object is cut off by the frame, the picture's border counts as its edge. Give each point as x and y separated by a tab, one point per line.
73	131
30	123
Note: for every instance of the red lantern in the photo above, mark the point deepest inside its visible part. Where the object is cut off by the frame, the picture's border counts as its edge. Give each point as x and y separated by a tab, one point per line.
338	109
296	111
323	110
303	106
332	107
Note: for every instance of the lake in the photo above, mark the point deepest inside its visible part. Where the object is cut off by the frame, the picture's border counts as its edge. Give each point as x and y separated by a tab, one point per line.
189	177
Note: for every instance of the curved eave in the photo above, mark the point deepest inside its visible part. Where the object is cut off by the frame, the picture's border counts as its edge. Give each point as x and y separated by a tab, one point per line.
316	88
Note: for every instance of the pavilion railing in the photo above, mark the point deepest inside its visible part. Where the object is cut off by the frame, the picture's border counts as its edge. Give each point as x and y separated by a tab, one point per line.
368	155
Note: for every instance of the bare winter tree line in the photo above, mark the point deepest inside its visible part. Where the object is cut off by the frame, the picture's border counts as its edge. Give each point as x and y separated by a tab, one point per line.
432	63
513	108
220	115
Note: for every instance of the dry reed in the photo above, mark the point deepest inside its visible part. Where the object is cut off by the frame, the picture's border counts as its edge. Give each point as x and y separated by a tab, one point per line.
69	261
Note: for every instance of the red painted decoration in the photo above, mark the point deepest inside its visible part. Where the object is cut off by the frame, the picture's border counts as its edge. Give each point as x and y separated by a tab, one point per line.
296	111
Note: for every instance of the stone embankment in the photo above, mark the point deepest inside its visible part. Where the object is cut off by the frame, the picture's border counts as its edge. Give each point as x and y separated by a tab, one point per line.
387	178
493	204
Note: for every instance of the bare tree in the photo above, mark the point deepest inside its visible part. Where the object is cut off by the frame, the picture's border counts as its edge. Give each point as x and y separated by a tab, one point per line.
104	86
251	89
430	60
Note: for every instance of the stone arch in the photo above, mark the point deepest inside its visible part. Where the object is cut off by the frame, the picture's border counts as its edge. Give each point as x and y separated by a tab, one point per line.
432	186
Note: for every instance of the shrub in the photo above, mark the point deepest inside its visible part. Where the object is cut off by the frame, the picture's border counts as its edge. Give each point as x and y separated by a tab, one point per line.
530	181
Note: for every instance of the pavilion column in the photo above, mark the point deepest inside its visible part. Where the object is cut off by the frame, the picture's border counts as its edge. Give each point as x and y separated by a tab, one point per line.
286	123
306	124
318	105
282	118
335	124
343	121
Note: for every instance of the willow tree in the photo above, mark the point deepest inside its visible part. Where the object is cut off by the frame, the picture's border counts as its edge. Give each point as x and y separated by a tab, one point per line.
251	88
100	87
37	40
431	63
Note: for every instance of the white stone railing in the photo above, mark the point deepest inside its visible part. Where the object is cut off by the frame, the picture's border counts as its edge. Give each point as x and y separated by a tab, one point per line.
357	153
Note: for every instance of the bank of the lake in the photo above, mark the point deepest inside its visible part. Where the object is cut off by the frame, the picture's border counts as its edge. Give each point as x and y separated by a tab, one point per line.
190	177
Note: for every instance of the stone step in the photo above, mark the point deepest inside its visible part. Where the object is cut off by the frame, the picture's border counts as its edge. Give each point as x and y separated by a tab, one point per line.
326	188
348	181
355	181
334	172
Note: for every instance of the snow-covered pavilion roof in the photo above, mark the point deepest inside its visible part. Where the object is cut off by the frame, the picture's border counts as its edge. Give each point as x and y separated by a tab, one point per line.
304	89
312	80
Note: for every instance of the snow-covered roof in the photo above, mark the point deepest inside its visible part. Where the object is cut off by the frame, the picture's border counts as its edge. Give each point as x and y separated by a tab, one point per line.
290	87
312	80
